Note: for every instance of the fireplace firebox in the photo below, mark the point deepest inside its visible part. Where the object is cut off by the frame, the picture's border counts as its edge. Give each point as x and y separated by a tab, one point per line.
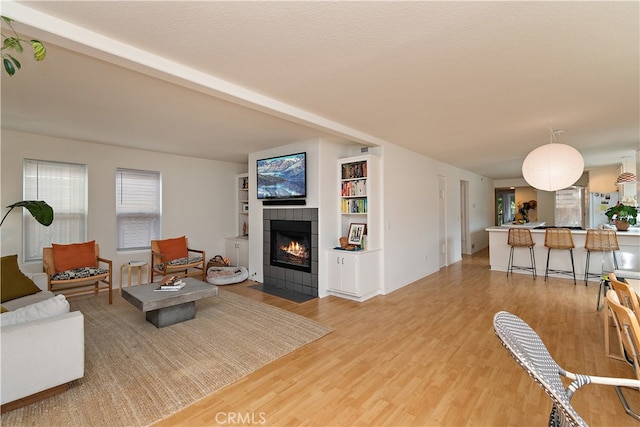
280	276
291	245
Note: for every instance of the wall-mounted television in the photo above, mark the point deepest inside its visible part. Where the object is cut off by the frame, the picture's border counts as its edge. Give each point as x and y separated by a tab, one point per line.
282	177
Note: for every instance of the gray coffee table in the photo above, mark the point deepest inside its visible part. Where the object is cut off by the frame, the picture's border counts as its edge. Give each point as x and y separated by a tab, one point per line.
164	308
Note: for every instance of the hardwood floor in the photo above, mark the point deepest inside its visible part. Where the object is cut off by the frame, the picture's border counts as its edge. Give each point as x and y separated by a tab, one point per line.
426	355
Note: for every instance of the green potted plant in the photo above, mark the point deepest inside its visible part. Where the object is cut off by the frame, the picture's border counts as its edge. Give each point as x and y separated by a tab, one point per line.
41	211
622	215
14	43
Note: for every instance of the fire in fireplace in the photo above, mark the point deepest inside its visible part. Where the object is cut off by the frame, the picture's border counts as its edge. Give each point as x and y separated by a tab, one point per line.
291	244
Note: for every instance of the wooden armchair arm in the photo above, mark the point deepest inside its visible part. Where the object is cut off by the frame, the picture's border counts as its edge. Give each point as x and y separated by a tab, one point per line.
106	261
196	250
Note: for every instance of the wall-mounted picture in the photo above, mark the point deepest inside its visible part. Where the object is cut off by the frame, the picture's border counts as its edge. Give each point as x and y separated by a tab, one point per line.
356	231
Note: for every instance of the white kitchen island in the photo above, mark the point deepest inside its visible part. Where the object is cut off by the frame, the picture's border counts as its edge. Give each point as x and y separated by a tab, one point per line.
628	256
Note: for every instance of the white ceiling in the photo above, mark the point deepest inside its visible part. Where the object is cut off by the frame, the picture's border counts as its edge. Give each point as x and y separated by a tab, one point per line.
473	84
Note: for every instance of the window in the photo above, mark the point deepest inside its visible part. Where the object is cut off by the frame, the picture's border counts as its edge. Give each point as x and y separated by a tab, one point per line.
64	187
505	206
569	207
137	208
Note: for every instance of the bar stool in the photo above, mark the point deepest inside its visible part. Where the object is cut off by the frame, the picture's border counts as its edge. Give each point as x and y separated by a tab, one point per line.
559	238
600	241
521	238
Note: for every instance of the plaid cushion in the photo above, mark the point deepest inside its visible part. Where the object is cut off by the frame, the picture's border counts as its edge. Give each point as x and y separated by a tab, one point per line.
79	273
180	261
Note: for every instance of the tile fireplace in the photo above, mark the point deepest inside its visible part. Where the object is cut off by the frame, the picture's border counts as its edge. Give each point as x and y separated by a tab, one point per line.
290	249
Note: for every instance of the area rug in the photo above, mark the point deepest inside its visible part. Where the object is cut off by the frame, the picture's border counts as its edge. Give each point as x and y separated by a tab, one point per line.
137	374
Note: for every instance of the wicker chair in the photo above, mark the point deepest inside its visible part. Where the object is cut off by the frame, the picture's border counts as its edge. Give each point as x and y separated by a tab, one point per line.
629	335
600	241
521	238
526	347
559	239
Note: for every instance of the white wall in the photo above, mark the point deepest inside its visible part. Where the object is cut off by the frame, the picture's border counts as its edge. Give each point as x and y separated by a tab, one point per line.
322	190
198	195
410	221
256	245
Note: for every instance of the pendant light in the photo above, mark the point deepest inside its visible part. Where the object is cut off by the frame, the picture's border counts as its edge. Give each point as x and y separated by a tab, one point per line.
626	177
553	166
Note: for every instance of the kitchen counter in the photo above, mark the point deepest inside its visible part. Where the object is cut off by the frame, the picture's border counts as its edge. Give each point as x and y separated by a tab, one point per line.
628	256
526	225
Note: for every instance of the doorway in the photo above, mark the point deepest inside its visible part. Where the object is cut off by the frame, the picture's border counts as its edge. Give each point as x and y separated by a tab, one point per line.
442	221
464	218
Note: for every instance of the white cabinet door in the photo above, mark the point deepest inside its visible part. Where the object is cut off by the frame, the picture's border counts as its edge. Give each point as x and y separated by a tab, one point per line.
237	250
353	273
349	273
334	270
243	253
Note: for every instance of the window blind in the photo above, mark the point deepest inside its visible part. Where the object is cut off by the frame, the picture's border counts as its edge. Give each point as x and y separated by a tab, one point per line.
64	187
138	201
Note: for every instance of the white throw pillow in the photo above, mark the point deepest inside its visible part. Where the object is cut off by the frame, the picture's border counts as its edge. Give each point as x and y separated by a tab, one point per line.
40	310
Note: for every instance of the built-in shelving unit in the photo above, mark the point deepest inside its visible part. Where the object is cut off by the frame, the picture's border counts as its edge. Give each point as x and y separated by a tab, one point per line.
242	204
359	195
355	274
237	247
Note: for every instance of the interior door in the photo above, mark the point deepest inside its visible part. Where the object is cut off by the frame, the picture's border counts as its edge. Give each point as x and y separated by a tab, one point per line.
442	221
464	218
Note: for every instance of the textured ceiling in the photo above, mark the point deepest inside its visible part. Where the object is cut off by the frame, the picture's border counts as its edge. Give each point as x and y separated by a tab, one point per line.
473	84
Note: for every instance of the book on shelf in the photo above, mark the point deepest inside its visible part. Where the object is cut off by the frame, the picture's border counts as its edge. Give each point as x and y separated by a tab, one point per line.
354	205
354	170
354	188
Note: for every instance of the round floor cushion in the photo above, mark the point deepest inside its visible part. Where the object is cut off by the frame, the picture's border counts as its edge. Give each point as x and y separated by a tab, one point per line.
226	275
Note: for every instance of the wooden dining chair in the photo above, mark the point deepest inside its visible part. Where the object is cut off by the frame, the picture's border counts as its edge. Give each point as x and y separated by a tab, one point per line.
626	294
629	335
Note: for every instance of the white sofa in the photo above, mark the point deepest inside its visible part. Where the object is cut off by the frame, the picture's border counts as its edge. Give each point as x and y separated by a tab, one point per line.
39	356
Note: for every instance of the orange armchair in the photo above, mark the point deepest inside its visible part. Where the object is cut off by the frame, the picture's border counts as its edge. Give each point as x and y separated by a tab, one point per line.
77	268
174	257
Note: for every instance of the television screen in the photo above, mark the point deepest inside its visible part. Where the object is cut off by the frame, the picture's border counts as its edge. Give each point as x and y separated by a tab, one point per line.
282	177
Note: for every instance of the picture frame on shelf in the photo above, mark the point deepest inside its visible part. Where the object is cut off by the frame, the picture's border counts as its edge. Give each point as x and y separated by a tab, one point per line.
356	231
245	207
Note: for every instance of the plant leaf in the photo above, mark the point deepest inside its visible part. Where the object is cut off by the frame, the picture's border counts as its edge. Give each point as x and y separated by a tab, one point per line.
41	211
39	51
8	66
12	43
6	19
15	61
